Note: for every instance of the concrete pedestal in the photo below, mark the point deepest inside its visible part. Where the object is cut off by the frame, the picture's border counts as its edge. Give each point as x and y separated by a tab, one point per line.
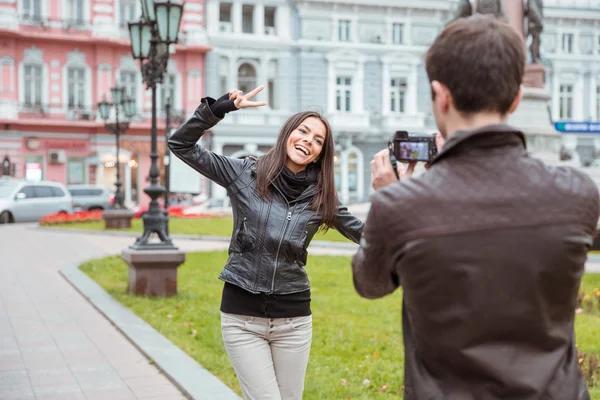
533	118
117	219
153	272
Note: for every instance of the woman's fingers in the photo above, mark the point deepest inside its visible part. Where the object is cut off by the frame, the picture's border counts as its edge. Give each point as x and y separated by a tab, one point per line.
254	92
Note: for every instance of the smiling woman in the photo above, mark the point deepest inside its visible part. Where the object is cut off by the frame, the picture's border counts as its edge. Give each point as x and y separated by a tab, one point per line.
279	203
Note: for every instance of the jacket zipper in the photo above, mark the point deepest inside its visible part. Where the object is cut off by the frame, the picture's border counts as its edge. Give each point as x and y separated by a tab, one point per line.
287	221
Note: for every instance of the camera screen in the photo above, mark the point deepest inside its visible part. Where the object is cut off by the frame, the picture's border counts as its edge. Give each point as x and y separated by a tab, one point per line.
414	151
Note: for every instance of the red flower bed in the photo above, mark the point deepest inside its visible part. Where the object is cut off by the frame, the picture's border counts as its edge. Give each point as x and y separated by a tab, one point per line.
87	216
64	218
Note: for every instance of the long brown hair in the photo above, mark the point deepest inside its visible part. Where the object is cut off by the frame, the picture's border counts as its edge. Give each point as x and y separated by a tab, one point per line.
271	164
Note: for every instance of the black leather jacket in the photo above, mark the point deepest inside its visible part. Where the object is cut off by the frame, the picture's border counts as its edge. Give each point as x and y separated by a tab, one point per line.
267	253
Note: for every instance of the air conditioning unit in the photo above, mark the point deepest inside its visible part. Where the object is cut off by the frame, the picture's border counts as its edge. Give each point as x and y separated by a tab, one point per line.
270	31
225	26
56	157
87	115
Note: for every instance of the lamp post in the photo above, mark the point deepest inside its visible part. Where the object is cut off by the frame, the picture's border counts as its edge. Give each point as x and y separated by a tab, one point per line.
150	40
153	264
117	128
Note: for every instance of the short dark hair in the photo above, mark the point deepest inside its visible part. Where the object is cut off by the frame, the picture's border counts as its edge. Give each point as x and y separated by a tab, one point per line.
481	59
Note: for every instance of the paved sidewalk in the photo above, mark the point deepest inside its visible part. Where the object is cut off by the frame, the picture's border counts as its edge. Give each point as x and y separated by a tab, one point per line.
53	343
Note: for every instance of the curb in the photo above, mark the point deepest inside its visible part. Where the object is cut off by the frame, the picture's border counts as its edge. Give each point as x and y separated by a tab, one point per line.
182	370
314	243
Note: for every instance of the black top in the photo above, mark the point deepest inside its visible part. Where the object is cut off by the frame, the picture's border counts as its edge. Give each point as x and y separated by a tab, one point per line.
236	300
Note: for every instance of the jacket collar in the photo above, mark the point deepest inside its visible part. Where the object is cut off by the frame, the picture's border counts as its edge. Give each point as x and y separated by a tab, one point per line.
486	137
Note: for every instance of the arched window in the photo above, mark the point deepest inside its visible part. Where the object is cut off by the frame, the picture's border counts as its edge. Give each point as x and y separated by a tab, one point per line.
352	174
246	78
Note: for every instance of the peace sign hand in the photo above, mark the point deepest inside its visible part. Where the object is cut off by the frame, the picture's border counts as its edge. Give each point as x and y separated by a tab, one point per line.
243	101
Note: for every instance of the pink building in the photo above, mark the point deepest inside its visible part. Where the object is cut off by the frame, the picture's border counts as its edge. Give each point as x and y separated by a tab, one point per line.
58	58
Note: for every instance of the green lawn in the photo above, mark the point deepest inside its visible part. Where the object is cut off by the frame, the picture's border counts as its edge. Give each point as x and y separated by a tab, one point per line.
357	348
193	226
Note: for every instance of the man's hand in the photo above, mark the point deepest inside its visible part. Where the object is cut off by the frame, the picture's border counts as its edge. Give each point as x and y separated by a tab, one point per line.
243	101
382	171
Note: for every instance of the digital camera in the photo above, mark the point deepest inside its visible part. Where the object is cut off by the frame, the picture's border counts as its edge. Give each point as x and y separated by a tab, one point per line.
406	148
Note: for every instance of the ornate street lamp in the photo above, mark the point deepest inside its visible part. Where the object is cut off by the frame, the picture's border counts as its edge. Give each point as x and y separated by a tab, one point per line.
150	40
119	101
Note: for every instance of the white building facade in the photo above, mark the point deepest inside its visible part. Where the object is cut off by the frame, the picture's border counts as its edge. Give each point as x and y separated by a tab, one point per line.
361	63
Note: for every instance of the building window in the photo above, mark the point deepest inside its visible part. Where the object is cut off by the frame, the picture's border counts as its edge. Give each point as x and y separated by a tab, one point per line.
75	171
246	78
337	177
566	102
224	88
75	12
567	42
272	95
167	91
225	12
270	21
398	93
352	174
32	10
33	85
344	26
397	33
129	82
248	18
343	94
127	12
76	88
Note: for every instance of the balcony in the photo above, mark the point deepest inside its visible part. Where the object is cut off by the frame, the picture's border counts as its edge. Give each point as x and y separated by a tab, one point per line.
80	114
349	122
407	122
256	118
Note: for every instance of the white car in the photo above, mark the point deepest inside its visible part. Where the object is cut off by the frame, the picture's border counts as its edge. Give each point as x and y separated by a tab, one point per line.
220	206
23	201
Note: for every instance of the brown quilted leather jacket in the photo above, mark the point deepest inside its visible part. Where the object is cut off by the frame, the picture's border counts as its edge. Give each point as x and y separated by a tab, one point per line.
489	246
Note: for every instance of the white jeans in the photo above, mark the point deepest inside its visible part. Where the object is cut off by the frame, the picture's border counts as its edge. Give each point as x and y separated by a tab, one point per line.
269	355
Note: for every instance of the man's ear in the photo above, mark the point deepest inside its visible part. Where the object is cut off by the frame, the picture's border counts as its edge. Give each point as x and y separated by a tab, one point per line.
516	101
441	95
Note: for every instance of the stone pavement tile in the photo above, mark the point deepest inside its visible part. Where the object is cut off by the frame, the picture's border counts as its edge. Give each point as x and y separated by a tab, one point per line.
36	341
112	394
75	341
57	389
14	379
44	359
24	393
11	362
135	369
63	396
156	391
22	310
83	356
5	327
147	381
9	345
63	328
49	376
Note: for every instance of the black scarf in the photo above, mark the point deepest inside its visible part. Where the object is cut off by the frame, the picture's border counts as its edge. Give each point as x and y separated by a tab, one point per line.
293	185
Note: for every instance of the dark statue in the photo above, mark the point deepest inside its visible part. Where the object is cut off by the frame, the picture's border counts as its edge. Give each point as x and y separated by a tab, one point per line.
533	13
465	8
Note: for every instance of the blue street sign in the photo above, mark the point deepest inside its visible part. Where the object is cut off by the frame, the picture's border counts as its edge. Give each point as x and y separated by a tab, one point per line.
577	127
